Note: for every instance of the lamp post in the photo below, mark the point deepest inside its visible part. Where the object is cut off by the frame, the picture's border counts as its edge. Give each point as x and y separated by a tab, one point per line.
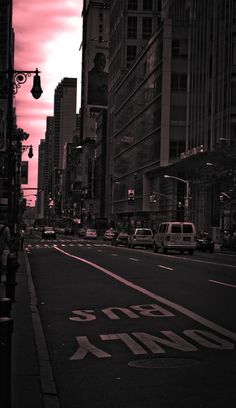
224	213
15	80
187	195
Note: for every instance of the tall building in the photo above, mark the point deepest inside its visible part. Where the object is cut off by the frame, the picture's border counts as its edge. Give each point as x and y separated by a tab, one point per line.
132	24
63	129
168	108
6	61
42	161
94	95
45	171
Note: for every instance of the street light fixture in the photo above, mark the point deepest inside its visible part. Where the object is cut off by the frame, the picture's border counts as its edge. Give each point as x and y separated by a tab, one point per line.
187	196
15	79
225	195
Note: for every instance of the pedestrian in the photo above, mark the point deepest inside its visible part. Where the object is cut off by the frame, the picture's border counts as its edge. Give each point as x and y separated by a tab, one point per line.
4	248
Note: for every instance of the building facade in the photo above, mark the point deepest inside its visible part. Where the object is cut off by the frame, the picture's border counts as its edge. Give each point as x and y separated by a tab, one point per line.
64	125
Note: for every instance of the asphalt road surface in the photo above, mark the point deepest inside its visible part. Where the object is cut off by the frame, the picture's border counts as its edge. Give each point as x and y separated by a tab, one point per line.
128	328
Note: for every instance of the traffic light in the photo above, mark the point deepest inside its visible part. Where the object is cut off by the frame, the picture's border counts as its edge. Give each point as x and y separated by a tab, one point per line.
131	196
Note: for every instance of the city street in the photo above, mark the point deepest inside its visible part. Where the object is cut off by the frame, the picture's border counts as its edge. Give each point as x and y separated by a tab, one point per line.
134	329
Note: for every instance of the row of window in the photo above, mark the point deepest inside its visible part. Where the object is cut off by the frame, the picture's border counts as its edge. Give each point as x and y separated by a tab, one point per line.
147	5
132	25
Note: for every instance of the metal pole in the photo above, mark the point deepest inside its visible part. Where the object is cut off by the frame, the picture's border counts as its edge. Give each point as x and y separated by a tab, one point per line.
186	202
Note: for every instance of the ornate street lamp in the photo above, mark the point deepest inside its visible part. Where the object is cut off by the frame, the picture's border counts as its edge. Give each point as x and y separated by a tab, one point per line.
14	80
20	77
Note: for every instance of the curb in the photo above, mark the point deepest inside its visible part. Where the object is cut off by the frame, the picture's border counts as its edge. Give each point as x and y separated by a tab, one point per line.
48	387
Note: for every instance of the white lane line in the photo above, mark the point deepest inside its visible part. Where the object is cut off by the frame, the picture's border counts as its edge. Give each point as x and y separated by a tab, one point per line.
165	267
133	259
114	254
181	309
193	260
71	244
222	283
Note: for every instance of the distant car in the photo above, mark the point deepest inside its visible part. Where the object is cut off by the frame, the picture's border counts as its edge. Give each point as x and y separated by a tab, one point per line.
120	238
205	243
49	232
141	237
90	233
108	235
69	231
81	232
60	230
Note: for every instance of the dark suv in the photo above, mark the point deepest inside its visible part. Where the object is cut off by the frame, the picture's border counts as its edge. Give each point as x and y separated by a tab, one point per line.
205	242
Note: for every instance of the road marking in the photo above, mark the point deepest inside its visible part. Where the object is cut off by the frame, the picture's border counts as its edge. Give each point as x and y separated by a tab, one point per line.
114	254
165	267
192	259
152	342
133	259
222	283
181	309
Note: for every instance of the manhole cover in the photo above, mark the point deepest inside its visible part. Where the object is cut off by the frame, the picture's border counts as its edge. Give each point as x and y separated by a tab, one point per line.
163	363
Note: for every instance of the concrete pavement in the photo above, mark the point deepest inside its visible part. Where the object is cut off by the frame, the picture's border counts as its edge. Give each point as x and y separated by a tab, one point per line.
32	379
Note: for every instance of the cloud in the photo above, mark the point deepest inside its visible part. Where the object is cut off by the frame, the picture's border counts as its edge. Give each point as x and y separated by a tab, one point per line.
47	36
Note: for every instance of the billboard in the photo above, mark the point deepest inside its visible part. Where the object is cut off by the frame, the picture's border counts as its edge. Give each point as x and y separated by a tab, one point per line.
24	172
97	77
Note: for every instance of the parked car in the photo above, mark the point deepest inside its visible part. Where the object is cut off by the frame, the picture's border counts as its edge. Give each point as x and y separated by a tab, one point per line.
204	242
175	235
141	237
90	233
49	232
108	234
120	238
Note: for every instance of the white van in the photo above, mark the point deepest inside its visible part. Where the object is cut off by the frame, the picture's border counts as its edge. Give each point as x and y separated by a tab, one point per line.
175	235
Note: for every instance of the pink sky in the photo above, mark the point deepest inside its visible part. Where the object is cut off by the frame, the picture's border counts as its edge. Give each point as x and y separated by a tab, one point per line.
48	35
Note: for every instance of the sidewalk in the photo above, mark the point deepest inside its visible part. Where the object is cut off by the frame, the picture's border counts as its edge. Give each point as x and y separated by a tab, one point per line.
26	390
32	381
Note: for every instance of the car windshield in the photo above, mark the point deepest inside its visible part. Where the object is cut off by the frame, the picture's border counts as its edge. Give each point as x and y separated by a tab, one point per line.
143	232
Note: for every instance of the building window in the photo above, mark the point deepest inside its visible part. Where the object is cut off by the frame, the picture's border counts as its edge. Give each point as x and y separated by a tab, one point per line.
147	28
179	48
178	81
131	54
132	28
233	93
147	4
132	4
175	48
100	28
